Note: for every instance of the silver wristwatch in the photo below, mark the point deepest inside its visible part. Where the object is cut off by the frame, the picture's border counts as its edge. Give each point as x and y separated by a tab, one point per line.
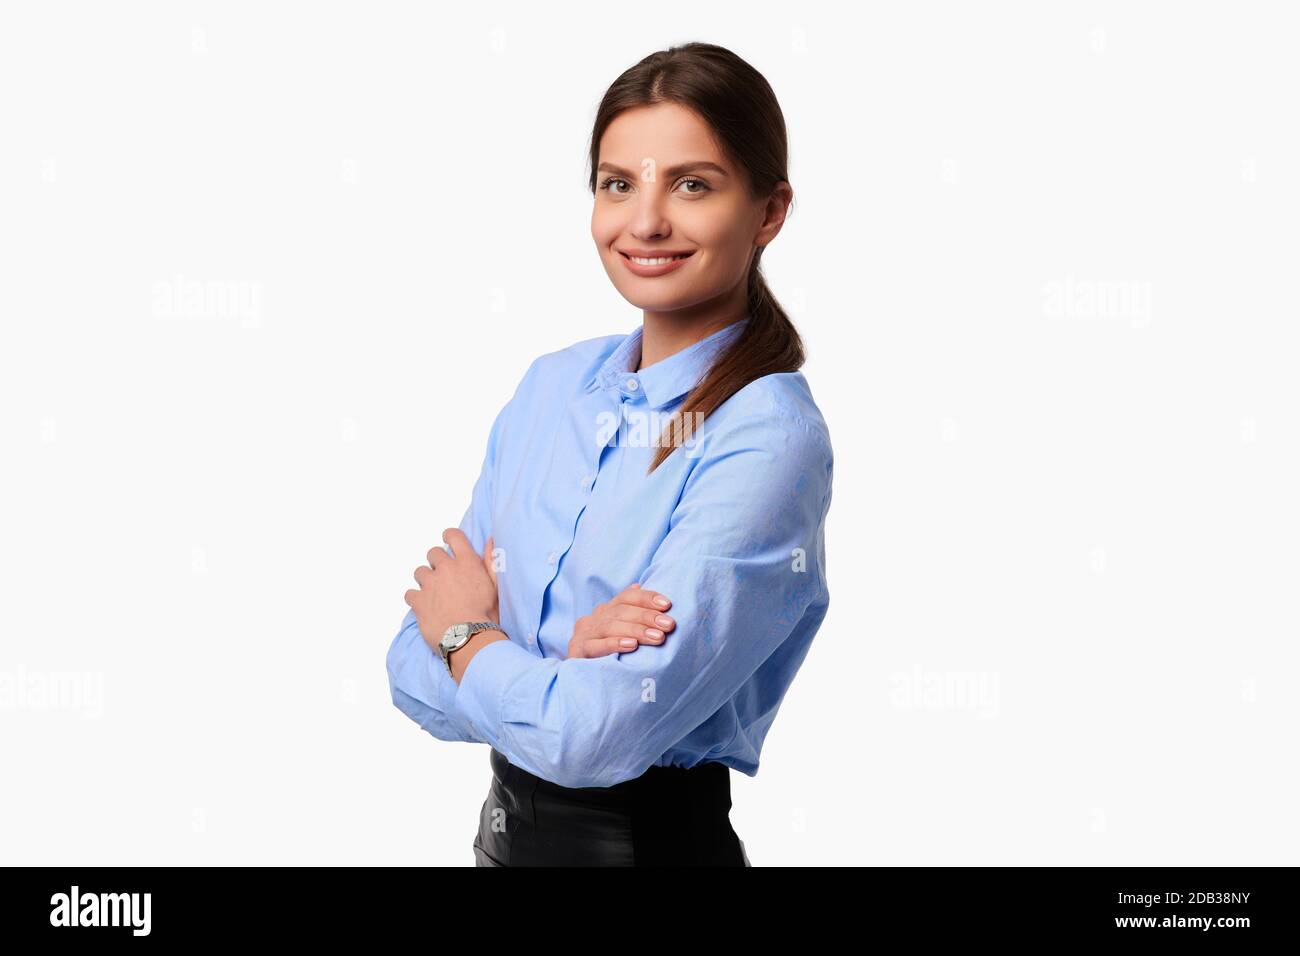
458	635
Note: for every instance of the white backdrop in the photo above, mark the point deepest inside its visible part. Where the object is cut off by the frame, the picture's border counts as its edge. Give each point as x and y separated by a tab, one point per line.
262	295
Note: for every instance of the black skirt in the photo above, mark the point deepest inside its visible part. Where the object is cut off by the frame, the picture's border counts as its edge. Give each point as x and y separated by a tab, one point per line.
668	816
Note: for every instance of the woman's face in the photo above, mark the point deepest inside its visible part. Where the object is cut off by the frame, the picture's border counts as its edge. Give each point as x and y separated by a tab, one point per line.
663	188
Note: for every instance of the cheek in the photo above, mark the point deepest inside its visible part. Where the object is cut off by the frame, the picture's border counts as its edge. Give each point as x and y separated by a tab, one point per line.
718	232
726	253
604	228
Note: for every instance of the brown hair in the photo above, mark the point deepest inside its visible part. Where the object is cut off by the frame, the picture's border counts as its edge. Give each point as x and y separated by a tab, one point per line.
739	105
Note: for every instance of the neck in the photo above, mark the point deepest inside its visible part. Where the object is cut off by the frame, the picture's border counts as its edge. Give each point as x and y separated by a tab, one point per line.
666	333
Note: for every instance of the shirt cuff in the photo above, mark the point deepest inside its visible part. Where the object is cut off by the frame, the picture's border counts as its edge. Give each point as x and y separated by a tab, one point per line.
480	698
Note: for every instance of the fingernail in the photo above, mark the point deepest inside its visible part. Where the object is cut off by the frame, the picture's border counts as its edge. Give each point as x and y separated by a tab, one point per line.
661	601
628	642
651	632
664	621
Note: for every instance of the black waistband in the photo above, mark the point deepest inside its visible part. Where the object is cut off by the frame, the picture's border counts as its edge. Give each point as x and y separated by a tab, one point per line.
706	780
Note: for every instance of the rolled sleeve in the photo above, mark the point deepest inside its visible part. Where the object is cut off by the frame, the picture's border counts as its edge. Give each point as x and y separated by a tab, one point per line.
483	699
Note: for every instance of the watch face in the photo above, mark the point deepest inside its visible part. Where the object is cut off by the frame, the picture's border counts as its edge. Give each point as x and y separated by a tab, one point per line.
455	634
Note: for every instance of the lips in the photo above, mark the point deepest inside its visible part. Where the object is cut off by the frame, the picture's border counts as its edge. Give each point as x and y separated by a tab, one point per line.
657	255
656	269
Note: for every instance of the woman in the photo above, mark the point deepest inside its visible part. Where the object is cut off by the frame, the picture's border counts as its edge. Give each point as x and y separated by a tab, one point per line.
687	458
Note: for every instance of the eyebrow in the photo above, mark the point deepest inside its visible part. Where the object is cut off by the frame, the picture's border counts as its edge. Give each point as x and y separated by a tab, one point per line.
671	171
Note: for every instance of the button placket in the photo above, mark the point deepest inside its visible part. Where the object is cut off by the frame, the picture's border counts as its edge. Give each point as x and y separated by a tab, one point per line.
589	477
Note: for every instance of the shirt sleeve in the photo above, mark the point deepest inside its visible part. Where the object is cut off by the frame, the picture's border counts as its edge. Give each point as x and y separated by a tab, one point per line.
741	561
418	680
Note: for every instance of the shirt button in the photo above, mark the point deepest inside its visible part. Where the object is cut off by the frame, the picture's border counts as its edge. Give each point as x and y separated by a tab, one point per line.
631	384
586	482
552	557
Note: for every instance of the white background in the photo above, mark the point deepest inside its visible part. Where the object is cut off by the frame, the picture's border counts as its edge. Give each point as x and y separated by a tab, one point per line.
1044	262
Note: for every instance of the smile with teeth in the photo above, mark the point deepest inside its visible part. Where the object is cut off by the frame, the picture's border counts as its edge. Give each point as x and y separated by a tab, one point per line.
656	262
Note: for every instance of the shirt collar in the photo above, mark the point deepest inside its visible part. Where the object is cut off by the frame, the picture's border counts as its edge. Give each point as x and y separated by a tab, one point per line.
668	379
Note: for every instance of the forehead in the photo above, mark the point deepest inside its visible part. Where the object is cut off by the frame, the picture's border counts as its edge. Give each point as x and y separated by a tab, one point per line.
665	132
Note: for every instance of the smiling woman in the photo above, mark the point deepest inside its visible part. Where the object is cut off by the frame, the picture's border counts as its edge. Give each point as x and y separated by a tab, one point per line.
682	237
623	609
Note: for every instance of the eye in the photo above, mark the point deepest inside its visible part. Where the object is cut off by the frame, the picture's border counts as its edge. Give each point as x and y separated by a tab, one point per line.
702	186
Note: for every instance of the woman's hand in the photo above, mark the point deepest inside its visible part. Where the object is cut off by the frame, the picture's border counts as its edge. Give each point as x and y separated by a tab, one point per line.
632	618
454	590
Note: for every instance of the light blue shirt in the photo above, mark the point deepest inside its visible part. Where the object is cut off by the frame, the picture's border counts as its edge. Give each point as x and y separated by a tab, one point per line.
730	527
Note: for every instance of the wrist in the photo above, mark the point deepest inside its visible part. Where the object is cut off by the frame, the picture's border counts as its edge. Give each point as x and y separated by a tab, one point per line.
459	658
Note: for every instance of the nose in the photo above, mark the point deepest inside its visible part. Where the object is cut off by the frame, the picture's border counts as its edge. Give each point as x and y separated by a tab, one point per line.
649	221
